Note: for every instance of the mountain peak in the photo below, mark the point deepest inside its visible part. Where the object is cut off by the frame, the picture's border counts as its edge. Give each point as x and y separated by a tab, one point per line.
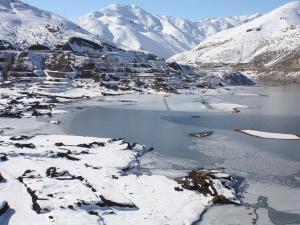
129	11
18	18
121	5
125	10
122	8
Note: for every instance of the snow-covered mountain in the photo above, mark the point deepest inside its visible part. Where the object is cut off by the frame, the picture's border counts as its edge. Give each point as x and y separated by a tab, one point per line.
23	25
135	29
270	41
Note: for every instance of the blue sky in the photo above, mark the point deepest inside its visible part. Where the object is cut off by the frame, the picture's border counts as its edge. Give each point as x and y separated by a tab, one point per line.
189	9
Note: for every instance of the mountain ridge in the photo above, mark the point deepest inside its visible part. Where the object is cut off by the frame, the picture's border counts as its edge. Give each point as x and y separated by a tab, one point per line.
136	29
261	42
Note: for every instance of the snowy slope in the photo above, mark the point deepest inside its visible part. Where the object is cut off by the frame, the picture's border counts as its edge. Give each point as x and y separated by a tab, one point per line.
22	25
136	29
262	42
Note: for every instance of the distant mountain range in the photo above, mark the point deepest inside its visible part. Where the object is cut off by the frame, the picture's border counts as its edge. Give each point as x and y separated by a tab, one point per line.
269	42
259	43
136	29
128	26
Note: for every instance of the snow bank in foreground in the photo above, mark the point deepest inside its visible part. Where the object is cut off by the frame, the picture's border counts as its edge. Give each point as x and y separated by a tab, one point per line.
52	179
268	135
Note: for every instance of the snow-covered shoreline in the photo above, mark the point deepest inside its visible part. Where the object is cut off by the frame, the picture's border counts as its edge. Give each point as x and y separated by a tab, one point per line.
72	177
49	167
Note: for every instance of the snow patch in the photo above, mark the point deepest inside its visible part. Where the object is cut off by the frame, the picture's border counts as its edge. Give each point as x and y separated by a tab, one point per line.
268	135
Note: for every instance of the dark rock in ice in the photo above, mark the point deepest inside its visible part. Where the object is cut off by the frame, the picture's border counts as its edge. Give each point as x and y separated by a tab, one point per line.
203	181
115	177
30	145
201	134
53	173
59	144
20	138
91	145
83	203
110	203
30	174
91	212
67	156
178	189
94	167
3	157
236	110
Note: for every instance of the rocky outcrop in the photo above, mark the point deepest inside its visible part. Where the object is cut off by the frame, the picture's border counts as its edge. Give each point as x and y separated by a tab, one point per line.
81	45
237	79
207	183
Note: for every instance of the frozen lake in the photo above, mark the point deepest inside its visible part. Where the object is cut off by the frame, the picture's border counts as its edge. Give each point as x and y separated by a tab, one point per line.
266	162
277	109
